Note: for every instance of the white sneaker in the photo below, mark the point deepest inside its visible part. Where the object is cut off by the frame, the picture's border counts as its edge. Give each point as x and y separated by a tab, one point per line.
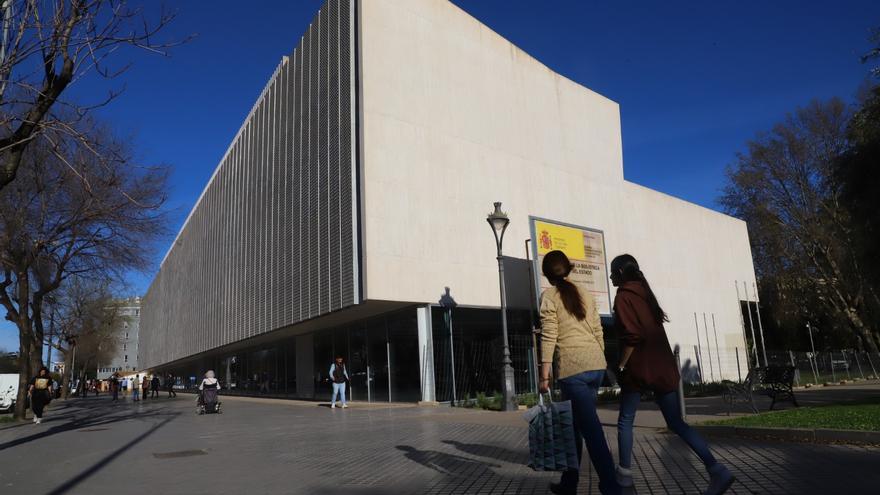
624	476
39	420
332	406
344	406
35	420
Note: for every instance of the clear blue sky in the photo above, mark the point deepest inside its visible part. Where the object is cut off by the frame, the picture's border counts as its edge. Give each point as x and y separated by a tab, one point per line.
694	80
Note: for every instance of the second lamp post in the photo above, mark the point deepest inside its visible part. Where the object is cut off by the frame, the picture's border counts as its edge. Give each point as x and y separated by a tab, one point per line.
498	221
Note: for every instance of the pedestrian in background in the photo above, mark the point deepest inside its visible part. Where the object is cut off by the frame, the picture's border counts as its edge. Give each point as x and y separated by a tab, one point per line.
169	385
339	376
135	388
571	328
114	386
647	364
154	387
145	387
40	392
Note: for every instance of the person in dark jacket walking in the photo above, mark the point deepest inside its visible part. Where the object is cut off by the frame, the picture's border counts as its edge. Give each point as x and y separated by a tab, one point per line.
169	385
154	387
647	364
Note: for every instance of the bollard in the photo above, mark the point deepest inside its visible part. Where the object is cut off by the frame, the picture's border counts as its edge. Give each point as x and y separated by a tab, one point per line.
681	404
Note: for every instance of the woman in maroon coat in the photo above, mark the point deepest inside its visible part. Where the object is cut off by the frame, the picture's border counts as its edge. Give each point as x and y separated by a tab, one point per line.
647	364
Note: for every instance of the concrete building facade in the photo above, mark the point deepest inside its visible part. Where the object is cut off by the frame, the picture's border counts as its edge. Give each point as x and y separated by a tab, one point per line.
353	200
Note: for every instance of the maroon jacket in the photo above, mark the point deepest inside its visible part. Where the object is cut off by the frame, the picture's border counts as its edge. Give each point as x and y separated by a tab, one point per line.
652	365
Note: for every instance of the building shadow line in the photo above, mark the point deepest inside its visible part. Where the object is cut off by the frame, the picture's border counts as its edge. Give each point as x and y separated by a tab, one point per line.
109	457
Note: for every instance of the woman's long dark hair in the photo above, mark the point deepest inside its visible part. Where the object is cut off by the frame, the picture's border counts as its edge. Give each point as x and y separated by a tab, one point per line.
627	268
556	267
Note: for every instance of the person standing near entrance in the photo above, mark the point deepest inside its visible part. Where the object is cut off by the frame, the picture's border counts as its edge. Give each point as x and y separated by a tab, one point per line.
647	364
154	387
40	393
570	326
135	388
339	376
145	387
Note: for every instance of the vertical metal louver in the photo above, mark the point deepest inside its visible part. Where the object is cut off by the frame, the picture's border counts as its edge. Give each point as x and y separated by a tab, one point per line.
271	241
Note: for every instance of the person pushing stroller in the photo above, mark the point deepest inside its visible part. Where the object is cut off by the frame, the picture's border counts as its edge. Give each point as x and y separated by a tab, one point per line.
208	392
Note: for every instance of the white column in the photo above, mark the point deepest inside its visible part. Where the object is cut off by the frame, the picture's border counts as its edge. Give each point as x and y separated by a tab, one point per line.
426	354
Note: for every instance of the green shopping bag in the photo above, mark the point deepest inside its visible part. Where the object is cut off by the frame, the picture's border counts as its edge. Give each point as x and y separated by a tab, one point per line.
552	443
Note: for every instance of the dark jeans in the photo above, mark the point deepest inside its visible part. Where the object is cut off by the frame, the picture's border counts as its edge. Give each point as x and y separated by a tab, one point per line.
671	409
39	399
582	390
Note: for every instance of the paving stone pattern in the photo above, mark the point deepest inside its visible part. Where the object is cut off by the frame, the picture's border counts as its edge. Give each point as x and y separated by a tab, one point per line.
160	446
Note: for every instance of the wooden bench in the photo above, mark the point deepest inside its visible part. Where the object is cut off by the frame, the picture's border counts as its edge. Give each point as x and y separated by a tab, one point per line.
776	382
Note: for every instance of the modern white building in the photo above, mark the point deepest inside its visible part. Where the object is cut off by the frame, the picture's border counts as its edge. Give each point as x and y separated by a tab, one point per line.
125	359
354	198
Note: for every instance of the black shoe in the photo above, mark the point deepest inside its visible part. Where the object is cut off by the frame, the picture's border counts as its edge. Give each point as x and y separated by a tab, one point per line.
560	489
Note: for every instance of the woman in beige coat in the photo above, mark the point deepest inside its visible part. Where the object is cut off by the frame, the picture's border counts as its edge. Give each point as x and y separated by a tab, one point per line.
570	326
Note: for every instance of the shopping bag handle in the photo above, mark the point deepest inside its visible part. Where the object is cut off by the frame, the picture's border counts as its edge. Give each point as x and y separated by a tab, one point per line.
541	398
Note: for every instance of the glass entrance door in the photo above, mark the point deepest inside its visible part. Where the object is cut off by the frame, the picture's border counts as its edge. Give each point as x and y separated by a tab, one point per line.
377	367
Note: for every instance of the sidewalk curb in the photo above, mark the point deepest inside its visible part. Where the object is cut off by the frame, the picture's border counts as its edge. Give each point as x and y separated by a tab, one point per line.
820	435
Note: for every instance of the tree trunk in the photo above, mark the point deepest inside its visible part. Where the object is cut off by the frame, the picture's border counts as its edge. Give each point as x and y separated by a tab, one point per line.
26	351
65	379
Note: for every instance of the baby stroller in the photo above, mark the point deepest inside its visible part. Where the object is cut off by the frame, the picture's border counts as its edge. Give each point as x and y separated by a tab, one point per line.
208	402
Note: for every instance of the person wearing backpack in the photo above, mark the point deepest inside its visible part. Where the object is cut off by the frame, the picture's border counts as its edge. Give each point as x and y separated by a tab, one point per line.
339	377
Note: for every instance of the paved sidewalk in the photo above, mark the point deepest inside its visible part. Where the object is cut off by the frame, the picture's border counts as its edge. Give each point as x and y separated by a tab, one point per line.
94	446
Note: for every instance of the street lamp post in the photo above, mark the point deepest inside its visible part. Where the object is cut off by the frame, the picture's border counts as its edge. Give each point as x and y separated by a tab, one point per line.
498	221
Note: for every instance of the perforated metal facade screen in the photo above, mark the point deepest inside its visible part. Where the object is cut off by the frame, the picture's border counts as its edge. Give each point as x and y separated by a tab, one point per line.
272	240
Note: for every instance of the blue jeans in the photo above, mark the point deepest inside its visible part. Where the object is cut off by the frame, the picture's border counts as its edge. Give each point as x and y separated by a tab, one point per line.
671	409
582	390
338	388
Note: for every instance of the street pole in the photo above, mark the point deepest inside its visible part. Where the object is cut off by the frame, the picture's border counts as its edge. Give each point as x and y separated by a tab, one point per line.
813	347
717	350
498	221
752	326
451	353
509	391
51	335
742	322
760	325
699	350
708	348
73	365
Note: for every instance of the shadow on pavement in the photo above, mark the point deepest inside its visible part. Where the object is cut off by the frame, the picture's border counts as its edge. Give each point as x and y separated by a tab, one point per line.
448	464
490	451
108	458
87	418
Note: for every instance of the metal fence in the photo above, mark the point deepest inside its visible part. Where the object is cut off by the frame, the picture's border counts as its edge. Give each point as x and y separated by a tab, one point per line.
699	365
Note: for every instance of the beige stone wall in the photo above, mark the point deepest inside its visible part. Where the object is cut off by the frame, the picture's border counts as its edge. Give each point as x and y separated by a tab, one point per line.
455	117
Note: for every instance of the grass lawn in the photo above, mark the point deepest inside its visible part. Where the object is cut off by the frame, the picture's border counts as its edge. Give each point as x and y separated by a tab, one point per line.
857	416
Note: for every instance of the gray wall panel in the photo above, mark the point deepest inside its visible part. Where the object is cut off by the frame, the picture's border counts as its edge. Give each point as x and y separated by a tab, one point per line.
270	242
